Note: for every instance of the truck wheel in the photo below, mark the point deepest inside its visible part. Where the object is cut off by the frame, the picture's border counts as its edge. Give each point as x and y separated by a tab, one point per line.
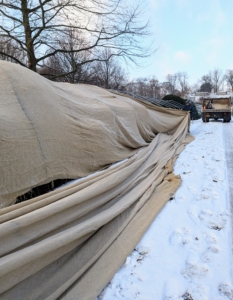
203	117
207	119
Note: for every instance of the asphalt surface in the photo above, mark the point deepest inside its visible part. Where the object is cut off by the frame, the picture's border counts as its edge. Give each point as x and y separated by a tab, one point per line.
228	142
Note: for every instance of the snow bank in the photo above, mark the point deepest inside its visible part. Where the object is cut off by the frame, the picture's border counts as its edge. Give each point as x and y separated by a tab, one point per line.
186	253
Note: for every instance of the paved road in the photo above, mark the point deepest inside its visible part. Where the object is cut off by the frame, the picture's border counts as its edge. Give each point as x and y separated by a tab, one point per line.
228	141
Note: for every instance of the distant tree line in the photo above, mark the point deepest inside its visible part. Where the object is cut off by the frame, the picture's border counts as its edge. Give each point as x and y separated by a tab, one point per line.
177	84
215	81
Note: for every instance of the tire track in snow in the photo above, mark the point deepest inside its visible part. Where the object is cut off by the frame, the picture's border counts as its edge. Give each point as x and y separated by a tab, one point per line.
228	143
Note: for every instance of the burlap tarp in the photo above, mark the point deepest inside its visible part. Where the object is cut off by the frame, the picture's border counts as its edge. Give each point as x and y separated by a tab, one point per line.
68	244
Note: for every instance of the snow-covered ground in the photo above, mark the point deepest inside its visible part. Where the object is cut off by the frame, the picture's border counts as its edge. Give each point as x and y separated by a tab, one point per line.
186	253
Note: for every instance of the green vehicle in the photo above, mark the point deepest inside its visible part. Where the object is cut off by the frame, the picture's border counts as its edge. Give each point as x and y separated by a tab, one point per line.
216	108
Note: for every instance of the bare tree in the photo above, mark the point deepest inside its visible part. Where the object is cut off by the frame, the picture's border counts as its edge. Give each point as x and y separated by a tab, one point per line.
8	46
69	66
148	87
154	88
228	77
37	26
131	87
108	73
195	87
183	82
141	86
216	79
172	80
165	89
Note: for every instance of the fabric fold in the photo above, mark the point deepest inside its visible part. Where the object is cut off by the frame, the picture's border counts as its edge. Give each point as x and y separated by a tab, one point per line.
123	150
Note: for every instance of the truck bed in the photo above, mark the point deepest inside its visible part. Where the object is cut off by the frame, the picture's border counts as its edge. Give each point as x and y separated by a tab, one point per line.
221	109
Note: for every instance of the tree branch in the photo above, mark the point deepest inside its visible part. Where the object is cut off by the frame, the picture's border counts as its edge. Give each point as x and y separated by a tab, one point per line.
13	58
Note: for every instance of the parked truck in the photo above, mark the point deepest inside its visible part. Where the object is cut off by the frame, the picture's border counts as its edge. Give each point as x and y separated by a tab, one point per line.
216	108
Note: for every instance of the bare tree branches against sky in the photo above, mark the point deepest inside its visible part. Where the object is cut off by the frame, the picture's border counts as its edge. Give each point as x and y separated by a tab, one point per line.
39	27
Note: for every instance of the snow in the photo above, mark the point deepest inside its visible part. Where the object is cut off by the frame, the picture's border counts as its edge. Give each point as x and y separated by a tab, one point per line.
198	96
186	252
216	96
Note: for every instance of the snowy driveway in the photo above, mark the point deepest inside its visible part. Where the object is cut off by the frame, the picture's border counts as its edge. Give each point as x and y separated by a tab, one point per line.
186	253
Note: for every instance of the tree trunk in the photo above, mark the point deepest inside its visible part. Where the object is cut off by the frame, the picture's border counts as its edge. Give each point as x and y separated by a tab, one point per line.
28	37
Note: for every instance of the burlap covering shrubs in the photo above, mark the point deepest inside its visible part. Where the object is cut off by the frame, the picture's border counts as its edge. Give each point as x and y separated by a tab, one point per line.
68	244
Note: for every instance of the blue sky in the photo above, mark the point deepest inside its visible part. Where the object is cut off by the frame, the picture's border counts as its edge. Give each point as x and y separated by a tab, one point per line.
193	36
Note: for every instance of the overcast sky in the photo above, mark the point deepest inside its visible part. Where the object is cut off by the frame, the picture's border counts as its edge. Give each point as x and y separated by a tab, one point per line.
192	36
